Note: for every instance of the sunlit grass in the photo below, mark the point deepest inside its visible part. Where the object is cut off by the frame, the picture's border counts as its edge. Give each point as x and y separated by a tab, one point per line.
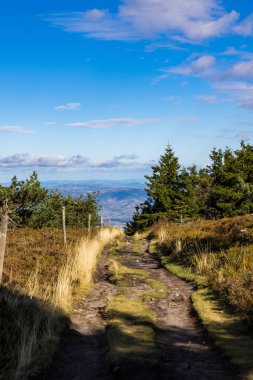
34	308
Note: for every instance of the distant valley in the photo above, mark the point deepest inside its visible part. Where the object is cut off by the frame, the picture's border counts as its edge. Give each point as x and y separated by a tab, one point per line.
116	198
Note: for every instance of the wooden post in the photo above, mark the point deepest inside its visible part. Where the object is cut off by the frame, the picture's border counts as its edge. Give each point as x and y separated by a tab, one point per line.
178	247
64	225
3	235
89	222
101	220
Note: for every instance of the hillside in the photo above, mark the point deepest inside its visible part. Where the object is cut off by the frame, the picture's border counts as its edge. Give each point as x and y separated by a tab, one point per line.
117	198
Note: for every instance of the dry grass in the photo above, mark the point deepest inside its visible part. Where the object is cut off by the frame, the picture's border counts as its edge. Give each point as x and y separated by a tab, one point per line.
34	308
221	251
79	268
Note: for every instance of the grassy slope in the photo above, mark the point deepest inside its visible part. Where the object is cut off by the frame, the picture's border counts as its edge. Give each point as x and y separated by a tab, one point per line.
227	329
41	278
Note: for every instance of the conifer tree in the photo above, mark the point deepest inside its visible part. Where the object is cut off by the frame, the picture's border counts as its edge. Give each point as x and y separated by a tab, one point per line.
163	186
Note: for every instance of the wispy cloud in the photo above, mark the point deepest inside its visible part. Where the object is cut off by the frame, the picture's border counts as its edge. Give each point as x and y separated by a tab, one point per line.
188	118
191	20
227	133
69	106
240	92
106	123
126	157
232	51
198	67
174	99
212	99
14	129
245	27
241	70
78	161
247	123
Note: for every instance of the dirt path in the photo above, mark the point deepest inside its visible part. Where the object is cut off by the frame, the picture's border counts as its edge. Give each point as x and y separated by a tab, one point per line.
183	346
83	347
185	350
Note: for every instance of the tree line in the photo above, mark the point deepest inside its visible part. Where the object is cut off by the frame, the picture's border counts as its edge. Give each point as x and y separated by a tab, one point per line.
174	193
33	206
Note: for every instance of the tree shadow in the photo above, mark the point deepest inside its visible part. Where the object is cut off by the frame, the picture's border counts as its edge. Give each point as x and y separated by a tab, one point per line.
29	333
181	355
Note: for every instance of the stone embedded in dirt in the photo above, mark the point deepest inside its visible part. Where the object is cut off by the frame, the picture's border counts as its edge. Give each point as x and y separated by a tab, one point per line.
177	297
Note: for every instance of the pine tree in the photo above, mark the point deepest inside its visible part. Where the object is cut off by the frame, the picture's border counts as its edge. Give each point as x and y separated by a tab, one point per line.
226	195
163	186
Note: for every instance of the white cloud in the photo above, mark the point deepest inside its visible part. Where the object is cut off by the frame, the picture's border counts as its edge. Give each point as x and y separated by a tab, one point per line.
212	99
241	70
14	129
241	92
227	133
232	51
126	157
65	162
245	28
69	106
192	19
106	123
200	66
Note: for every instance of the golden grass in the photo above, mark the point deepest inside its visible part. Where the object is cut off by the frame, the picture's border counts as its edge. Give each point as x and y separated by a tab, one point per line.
219	250
79	268
30	323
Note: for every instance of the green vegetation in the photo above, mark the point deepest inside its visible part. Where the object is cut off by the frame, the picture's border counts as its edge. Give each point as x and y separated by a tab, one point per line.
130	321
222	189
228	330
131	334
33	206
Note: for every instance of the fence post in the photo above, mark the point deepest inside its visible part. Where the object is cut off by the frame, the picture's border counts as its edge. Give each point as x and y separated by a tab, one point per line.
64	225
178	247
89	222
3	235
101	220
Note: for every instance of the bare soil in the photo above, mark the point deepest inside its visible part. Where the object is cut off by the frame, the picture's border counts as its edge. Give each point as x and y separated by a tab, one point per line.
186	352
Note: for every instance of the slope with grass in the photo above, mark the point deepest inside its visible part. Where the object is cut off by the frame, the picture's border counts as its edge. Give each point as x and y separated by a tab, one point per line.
41	281
217	256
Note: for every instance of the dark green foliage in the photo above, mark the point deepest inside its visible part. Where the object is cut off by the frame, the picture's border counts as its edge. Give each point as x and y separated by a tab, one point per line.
36	207
222	189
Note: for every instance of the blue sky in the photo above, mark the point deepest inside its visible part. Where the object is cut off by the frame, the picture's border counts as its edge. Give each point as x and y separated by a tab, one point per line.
96	89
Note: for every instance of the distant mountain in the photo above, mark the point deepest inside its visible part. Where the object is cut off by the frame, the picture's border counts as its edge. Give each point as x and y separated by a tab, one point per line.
117	198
